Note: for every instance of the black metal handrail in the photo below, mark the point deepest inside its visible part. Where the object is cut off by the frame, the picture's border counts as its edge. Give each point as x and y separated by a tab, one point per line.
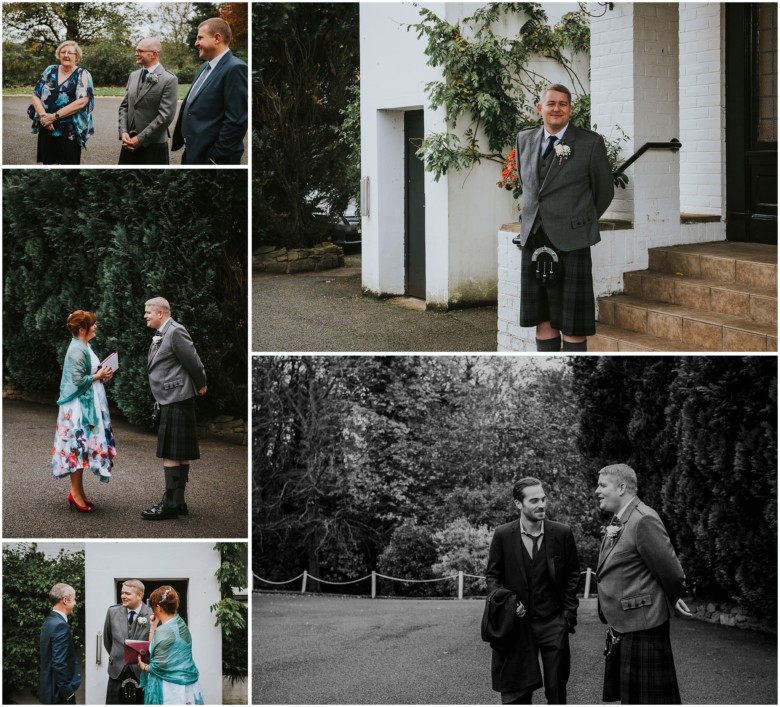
674	145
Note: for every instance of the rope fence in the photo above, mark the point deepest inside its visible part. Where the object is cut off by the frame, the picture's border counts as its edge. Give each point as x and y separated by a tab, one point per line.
305	577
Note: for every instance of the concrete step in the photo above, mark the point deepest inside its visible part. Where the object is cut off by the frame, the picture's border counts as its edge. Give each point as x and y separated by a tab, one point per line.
610	338
741	300
684	328
752	264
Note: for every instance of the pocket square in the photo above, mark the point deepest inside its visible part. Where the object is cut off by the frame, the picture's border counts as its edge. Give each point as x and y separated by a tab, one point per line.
135	650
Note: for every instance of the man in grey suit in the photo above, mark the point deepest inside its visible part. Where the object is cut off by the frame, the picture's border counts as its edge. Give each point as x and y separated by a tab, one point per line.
640	586
148	108
213	119
567	185
60	674
129	620
176	377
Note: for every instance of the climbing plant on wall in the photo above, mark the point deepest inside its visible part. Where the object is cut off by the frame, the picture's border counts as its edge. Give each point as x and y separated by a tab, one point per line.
489	87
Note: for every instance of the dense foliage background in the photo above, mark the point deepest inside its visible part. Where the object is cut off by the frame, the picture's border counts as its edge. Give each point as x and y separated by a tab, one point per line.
107	241
305	116
107	33
405	465
27	578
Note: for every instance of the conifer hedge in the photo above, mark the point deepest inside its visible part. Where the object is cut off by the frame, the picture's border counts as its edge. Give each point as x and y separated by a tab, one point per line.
107	241
701	433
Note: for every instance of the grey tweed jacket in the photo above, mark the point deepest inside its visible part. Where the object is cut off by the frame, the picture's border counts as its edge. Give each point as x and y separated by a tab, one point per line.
116	630
151	109
175	370
573	194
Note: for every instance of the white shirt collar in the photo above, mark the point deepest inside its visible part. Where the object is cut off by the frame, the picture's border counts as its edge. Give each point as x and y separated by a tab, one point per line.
559	134
64	616
213	63
619	514
523	529
150	69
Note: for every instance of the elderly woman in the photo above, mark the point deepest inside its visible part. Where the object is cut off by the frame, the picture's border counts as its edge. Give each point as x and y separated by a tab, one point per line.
170	677
61	110
84	439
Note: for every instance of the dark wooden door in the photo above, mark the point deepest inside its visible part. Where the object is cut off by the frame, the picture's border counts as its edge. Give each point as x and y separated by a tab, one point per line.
414	202
751	122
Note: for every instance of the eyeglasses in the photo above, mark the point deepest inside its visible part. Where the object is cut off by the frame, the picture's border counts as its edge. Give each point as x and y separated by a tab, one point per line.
68	54
144	51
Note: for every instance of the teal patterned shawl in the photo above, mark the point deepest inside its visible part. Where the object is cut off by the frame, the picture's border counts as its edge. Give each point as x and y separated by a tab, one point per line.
76	381
171	660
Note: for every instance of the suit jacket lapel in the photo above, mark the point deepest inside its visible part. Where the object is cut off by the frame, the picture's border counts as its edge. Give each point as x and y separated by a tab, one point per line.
606	551
148	84
220	67
536	157
559	164
519	548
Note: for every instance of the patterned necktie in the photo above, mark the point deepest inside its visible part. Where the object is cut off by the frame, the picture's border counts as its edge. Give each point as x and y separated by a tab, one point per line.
130	617
549	148
201	80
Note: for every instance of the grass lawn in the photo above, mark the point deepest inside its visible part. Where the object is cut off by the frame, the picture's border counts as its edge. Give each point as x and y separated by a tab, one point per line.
99	90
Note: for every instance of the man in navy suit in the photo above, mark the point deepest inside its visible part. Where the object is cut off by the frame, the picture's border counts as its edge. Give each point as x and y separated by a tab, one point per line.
60	672
213	118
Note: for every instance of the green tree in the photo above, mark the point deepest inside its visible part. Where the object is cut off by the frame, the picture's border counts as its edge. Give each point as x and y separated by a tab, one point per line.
463	547
28	575
53	22
487	82
231	614
701	434
306	61
98	254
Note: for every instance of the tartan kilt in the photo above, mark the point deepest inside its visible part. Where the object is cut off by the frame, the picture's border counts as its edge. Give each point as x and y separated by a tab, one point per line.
641	669
568	304
177	436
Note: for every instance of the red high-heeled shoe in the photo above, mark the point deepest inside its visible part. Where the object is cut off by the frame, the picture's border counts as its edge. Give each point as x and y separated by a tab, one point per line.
81	509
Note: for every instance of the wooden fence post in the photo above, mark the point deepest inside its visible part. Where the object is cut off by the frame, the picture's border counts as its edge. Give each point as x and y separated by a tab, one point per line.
373	584
460	584
303	585
587	582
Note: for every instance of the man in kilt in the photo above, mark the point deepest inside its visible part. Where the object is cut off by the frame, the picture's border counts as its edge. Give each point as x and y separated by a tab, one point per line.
640	584
176	377
567	185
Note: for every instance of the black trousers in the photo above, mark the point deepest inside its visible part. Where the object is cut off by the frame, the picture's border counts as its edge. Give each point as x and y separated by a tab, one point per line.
156	153
552	639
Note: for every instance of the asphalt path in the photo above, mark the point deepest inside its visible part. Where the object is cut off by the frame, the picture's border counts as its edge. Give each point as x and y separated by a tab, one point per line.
326	311
19	144
34	504
333	650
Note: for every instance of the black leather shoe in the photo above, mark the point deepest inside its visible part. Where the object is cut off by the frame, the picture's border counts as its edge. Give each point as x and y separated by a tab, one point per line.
160	512
183	510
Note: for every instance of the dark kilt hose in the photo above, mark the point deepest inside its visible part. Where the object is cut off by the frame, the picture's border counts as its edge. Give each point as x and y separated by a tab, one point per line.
640	669
568	304
177	435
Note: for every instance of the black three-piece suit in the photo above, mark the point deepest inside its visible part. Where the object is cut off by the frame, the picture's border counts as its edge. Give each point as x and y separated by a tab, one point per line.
547	588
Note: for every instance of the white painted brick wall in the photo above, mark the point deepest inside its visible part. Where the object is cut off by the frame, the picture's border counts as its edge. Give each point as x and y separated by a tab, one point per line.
702	101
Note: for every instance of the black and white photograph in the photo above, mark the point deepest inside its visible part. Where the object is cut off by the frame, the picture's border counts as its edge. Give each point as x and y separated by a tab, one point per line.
475	530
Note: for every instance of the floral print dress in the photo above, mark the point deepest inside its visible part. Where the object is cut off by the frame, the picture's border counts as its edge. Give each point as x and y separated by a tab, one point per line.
84	438
55	96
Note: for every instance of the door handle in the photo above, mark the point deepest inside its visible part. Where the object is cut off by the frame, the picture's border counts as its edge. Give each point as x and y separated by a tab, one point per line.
99	648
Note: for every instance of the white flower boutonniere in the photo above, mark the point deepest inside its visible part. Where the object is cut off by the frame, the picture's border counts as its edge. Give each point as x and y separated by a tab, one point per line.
562	152
142	621
152	78
156	339
613	531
